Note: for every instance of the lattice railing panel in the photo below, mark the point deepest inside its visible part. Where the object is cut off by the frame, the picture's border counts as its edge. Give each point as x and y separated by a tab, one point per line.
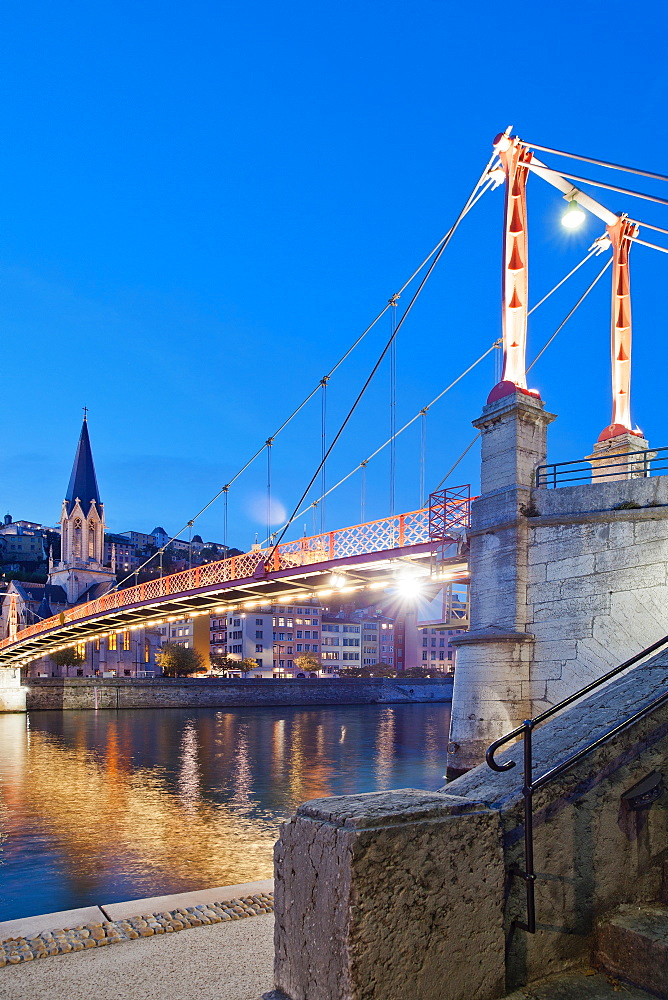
375	536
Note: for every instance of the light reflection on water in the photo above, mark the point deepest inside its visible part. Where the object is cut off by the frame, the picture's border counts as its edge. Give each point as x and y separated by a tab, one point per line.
101	806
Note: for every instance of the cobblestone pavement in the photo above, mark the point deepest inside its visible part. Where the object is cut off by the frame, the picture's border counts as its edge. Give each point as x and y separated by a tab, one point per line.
14	951
232	960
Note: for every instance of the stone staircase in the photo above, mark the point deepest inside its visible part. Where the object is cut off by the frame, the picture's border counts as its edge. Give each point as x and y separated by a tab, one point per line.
632	943
630	957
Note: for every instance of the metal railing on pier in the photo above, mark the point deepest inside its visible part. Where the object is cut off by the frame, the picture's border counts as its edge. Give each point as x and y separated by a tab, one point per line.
610	468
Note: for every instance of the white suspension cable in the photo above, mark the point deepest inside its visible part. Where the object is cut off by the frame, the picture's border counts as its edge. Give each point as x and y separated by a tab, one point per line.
363	464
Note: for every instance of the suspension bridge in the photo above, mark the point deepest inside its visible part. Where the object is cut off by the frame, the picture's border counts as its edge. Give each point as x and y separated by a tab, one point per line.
428	543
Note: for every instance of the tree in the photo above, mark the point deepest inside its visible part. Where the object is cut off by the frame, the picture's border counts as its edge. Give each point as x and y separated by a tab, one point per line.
377	670
179	661
423	672
68	657
222	663
307	663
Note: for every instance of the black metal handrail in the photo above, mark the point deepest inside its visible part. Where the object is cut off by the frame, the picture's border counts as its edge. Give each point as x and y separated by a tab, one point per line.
641	464
531	784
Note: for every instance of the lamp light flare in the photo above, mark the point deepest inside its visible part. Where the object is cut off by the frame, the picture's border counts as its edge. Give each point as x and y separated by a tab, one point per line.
574	216
410	587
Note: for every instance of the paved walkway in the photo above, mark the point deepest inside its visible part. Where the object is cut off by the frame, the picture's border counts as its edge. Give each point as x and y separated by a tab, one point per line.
228	961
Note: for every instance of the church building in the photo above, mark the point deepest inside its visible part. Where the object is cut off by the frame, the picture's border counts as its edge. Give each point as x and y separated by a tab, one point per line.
81	575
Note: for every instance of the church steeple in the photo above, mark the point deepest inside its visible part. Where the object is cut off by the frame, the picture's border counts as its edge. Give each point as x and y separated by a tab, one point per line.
81	528
83	481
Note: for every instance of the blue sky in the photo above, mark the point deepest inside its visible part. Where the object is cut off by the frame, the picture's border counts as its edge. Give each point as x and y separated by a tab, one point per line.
203	205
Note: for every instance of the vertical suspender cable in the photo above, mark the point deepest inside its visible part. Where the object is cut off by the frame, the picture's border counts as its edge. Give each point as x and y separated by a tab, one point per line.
269	443
226	491
393	402
423	453
323	383
363	466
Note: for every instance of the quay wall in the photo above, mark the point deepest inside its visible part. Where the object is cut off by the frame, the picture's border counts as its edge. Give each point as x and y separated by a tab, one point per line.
58	693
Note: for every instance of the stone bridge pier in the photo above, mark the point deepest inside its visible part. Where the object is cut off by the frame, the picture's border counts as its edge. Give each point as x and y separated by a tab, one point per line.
565	583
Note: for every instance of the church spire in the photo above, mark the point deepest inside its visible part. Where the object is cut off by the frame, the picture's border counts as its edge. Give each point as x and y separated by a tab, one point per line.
83	481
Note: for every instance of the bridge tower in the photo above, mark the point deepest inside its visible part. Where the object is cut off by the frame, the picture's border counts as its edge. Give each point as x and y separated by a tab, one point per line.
81	562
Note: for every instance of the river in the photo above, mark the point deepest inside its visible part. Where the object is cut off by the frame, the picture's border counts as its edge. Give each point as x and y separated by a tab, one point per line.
97	807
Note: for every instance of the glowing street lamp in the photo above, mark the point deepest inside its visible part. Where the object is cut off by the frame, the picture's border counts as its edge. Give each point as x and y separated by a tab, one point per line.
574	216
410	587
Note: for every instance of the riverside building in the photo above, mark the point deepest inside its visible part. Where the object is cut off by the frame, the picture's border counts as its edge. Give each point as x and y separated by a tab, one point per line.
274	636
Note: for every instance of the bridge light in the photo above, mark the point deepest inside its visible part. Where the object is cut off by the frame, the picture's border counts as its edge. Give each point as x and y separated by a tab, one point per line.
574	216
338	581
410	586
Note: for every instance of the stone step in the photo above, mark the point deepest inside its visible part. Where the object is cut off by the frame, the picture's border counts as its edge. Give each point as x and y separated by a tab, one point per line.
632	944
588	985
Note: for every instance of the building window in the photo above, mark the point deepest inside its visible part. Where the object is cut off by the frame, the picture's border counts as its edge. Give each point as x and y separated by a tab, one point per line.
147	651
299	647
258	633
126	640
259	648
113	641
81	648
259	621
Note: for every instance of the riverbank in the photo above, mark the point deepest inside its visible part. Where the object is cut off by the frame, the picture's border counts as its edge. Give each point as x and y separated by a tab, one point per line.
58	693
231	959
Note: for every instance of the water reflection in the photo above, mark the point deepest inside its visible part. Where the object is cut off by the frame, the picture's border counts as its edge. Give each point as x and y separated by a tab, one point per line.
102	806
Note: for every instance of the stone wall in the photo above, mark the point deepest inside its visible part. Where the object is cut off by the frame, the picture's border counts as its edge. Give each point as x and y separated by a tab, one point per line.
597	580
12	694
566	584
409	893
118	693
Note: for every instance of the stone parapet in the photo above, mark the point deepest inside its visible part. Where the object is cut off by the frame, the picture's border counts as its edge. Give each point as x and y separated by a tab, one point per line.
373	900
